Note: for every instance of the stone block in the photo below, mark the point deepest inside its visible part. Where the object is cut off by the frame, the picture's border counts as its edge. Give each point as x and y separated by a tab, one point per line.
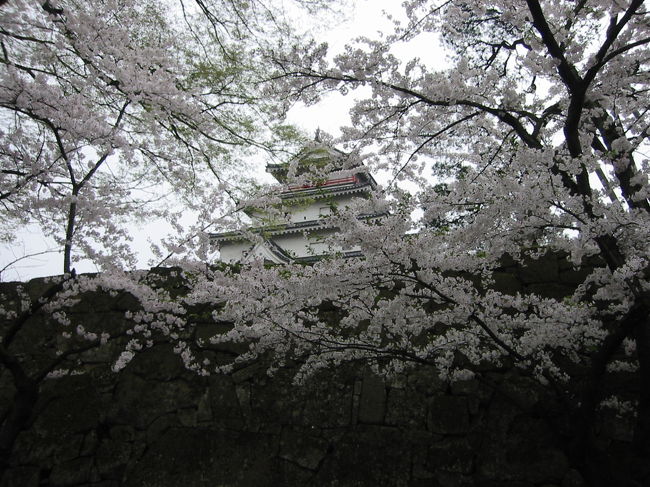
453	479
21	477
524	453
247	373
292	474
67	447
426	381
523	390
448	415
372	402
203	409
122	433
243	393
573	478
89	444
368	455
403	409
187	417
225	403
325	401
452	455
158	363
465	387
502	483
615	427
67	405
299	446
75	472
275	400
160	425
554	290
112	458
574	277
506	282
138	401
202	457
543	269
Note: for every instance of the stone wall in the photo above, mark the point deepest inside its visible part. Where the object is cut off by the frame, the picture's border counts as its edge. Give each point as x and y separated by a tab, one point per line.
155	424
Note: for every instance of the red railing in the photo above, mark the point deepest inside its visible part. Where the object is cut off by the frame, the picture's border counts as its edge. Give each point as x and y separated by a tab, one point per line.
329	182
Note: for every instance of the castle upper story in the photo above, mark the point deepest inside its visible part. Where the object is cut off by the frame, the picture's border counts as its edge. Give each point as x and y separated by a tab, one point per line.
316	183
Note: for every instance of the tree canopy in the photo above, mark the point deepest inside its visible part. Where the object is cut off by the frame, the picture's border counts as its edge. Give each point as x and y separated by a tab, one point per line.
113	114
113	111
532	139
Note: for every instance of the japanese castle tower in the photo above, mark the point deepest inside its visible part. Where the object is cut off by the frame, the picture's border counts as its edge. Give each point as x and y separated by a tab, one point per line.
299	230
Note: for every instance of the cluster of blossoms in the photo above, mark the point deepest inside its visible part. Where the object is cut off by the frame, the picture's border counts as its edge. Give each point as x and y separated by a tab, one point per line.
531	142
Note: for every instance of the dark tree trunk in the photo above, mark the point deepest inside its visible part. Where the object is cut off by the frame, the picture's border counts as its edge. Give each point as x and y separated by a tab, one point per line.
641	463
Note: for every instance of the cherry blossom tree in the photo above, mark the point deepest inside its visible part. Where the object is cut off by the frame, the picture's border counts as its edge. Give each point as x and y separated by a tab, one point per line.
532	140
109	108
113	114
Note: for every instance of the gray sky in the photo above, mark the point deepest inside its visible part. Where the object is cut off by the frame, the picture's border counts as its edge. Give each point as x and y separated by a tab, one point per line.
365	19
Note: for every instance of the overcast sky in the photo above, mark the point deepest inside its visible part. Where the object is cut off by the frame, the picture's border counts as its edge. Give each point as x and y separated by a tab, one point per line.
365	18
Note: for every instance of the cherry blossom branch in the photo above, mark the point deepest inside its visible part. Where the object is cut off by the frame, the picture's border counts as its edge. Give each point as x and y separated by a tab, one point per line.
36	306
429	139
613	32
24	257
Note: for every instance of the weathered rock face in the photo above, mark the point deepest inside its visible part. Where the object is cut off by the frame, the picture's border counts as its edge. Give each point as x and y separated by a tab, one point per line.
155	424
348	428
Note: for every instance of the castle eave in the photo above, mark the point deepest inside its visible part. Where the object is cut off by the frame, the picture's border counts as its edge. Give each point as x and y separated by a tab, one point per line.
285	229
325	191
